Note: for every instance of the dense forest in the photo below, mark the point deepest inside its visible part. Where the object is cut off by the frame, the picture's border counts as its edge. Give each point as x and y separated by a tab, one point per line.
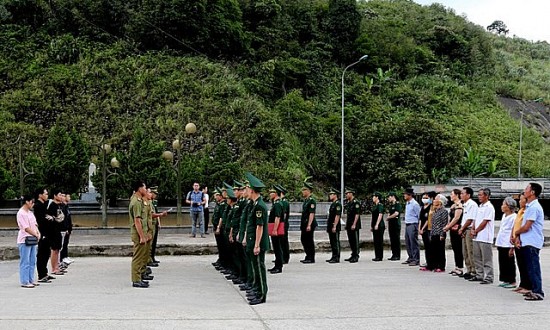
261	80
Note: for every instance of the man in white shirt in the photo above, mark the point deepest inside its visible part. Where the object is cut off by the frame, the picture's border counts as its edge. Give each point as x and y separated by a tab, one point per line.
483	233
468	218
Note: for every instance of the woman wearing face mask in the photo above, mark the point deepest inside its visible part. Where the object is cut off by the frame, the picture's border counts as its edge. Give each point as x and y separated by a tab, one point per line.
426	226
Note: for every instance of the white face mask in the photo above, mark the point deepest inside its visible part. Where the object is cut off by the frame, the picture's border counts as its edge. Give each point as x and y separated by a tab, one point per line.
425	200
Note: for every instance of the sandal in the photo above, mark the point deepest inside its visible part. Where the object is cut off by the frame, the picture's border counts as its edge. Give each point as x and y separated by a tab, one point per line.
533	297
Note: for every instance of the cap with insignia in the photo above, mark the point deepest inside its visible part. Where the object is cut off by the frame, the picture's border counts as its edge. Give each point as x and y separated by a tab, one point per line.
238	185
273	190
333	192
246	184
227	185
255	183
155	190
350	190
308	186
377	194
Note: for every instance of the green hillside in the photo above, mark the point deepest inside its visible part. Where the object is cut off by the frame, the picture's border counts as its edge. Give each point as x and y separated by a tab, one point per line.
261	81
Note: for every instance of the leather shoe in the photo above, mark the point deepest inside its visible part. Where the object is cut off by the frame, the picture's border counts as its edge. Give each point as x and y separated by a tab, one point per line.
348	259
152	264
147	277
414	264
238	281
394	259
231	277
406	262
251	295
256	301
272	269
308	261
276	271
376	259
334	261
140	284
353	260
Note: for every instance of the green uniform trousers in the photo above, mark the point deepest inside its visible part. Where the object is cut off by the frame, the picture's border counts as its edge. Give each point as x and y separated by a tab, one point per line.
260	274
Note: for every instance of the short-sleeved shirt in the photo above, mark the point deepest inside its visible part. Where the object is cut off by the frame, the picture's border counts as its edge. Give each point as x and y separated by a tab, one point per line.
470	211
334	211
505	231
216	215
308	207
486	211
244	219
412	212
195	197
377	209
148	216
276	211
535	236
25	219
286	210
135	210
395	207
353	208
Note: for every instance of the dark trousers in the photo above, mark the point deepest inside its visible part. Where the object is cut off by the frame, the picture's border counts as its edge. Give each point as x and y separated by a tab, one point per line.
506	266
250	269
353	239
394	230
154	243
523	275
277	250
206	219
411	240
260	274
235	258
285	245
241	253
308	243
427	253
64	253
437	253
456	243
334	239
532	264
225	253
219	246
378	241
42	257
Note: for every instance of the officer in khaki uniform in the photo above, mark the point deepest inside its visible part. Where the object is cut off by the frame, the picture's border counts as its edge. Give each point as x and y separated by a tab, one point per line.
394	225
308	224
334	226
138	230
148	212
259	240
286	215
353	224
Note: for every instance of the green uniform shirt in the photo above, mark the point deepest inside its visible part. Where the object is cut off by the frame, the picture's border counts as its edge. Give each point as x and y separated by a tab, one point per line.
236	219
395	208
334	210
377	209
308	207
276	211
353	208
224	209
216	215
244	219
136	210
286	210
257	217
228	219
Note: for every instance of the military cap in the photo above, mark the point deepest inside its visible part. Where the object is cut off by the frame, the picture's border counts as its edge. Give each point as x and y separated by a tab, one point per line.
238	185
227	185
218	190
246	184
308	186
273	190
255	183
231	193
333	191
280	188
155	190
350	190
377	194
392	193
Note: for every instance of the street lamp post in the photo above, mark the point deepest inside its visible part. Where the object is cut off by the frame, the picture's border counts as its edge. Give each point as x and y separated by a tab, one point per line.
342	147
23	172
177	145
106	173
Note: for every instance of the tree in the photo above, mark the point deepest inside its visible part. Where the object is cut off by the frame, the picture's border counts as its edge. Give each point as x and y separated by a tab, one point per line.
498	27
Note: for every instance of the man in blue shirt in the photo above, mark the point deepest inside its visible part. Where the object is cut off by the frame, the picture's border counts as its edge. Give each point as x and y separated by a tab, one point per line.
195	199
412	214
532	238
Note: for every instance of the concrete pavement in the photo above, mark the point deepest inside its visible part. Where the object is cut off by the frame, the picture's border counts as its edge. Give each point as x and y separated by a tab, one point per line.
187	293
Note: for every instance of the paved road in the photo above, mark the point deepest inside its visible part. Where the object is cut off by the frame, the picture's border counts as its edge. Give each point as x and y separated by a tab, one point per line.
188	293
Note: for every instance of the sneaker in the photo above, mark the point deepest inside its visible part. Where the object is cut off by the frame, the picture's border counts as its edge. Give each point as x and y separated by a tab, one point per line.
68	261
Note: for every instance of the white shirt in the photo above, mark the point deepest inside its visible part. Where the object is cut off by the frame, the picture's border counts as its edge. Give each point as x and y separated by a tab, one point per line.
506	225
206	200
470	211
486	211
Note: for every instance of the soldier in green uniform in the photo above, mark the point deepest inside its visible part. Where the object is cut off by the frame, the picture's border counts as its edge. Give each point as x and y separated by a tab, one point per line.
138	228
275	216
245	228
334	226
353	224
231	232
259	239
220	232
216	215
153	262
394	225
239	233
308	224
377	227
227	220
286	215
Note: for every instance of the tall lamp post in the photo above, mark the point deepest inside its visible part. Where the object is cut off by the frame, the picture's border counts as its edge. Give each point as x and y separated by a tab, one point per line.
106	173
364	57
23	172
177	145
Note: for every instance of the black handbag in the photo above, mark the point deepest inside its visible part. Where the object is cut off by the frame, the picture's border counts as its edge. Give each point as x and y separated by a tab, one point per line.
31	240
